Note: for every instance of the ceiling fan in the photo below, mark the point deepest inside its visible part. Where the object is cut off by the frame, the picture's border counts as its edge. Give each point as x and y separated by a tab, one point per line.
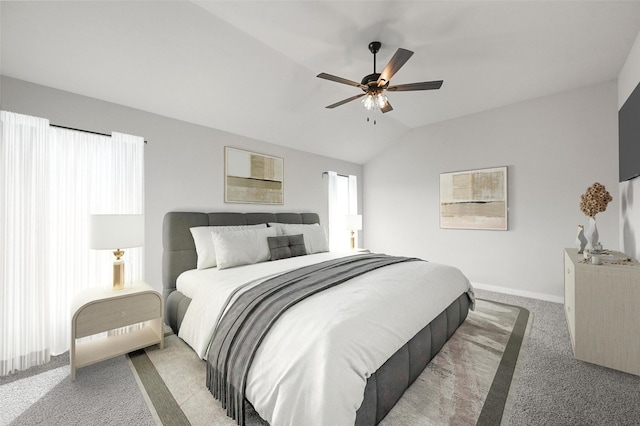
375	85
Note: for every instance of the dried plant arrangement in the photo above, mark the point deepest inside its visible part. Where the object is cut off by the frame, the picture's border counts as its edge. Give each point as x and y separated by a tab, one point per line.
595	200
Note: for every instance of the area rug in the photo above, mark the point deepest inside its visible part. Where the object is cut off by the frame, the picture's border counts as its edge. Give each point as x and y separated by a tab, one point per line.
467	383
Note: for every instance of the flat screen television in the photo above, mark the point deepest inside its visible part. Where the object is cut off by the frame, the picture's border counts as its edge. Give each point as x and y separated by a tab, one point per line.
629	137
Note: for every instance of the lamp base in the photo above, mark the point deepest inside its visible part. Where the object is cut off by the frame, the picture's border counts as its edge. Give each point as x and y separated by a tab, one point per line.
118	274
353	240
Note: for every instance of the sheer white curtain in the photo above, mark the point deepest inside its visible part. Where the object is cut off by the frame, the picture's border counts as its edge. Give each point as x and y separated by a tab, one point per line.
24	289
334	211
343	200
353	202
46	258
353	194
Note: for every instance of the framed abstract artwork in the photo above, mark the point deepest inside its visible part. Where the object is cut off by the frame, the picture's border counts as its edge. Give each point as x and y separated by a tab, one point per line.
474	199
252	178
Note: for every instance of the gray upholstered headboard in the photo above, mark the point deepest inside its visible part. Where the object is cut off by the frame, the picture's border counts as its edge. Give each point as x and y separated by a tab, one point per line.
179	250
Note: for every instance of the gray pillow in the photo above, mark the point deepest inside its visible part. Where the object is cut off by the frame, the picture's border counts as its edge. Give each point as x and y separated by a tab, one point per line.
297	246
286	246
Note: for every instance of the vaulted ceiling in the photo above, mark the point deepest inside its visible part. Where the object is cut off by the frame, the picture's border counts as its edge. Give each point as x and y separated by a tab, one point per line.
249	67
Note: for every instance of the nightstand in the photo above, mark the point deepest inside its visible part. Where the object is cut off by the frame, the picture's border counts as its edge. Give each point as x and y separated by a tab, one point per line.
361	250
97	310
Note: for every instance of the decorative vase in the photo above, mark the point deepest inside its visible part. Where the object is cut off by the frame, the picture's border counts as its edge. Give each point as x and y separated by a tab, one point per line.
581	241
591	234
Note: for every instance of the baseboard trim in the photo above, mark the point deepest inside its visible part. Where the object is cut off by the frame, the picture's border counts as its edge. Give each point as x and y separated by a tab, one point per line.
514	292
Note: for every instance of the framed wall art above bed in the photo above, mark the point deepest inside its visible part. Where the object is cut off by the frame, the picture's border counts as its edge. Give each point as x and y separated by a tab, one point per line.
252	178
474	199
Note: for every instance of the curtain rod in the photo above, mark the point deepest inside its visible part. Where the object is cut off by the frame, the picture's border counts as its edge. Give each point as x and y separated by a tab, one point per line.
81	130
326	173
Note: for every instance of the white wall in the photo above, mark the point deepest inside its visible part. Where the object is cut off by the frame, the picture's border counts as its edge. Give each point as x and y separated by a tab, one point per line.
628	79
629	76
555	147
184	163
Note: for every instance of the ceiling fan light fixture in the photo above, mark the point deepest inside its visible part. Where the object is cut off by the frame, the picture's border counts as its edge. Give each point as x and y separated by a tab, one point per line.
381	100
374	100
369	102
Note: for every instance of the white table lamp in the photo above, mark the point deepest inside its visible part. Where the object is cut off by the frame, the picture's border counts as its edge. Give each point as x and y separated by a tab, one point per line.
116	231
353	223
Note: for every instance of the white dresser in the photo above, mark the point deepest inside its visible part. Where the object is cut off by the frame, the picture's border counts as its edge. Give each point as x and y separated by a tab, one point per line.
602	306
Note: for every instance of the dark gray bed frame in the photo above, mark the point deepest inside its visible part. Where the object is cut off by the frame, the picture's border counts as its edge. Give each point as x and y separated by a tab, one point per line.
385	387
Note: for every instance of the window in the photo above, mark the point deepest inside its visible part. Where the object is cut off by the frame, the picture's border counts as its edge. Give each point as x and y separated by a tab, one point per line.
343	201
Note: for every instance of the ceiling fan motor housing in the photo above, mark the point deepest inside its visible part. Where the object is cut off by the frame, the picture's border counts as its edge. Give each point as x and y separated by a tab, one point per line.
371	81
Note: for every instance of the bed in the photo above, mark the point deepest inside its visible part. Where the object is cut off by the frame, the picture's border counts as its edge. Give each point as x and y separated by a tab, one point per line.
381	387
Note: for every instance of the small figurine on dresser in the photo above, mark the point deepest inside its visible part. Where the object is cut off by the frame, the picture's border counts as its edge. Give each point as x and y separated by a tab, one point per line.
581	241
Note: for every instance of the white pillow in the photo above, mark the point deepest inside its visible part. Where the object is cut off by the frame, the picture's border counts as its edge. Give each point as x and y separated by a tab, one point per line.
277	227
204	244
243	247
280	227
315	239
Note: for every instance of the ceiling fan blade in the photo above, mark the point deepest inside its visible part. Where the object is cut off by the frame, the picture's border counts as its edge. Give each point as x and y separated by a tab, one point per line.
397	61
344	101
387	107
340	80
426	85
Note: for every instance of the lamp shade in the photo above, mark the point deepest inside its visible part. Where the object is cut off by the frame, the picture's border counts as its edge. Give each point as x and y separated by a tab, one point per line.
116	231
353	222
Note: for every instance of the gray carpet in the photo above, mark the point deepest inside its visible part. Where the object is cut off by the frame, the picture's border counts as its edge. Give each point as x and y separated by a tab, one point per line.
102	394
556	389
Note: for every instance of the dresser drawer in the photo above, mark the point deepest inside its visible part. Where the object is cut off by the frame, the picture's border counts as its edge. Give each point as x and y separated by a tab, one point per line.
104	315
570	297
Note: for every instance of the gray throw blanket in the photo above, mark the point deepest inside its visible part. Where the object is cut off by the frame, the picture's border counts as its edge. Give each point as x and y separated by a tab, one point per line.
247	321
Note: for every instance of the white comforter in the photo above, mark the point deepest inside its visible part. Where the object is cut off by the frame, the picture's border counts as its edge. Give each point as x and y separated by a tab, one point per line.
312	367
